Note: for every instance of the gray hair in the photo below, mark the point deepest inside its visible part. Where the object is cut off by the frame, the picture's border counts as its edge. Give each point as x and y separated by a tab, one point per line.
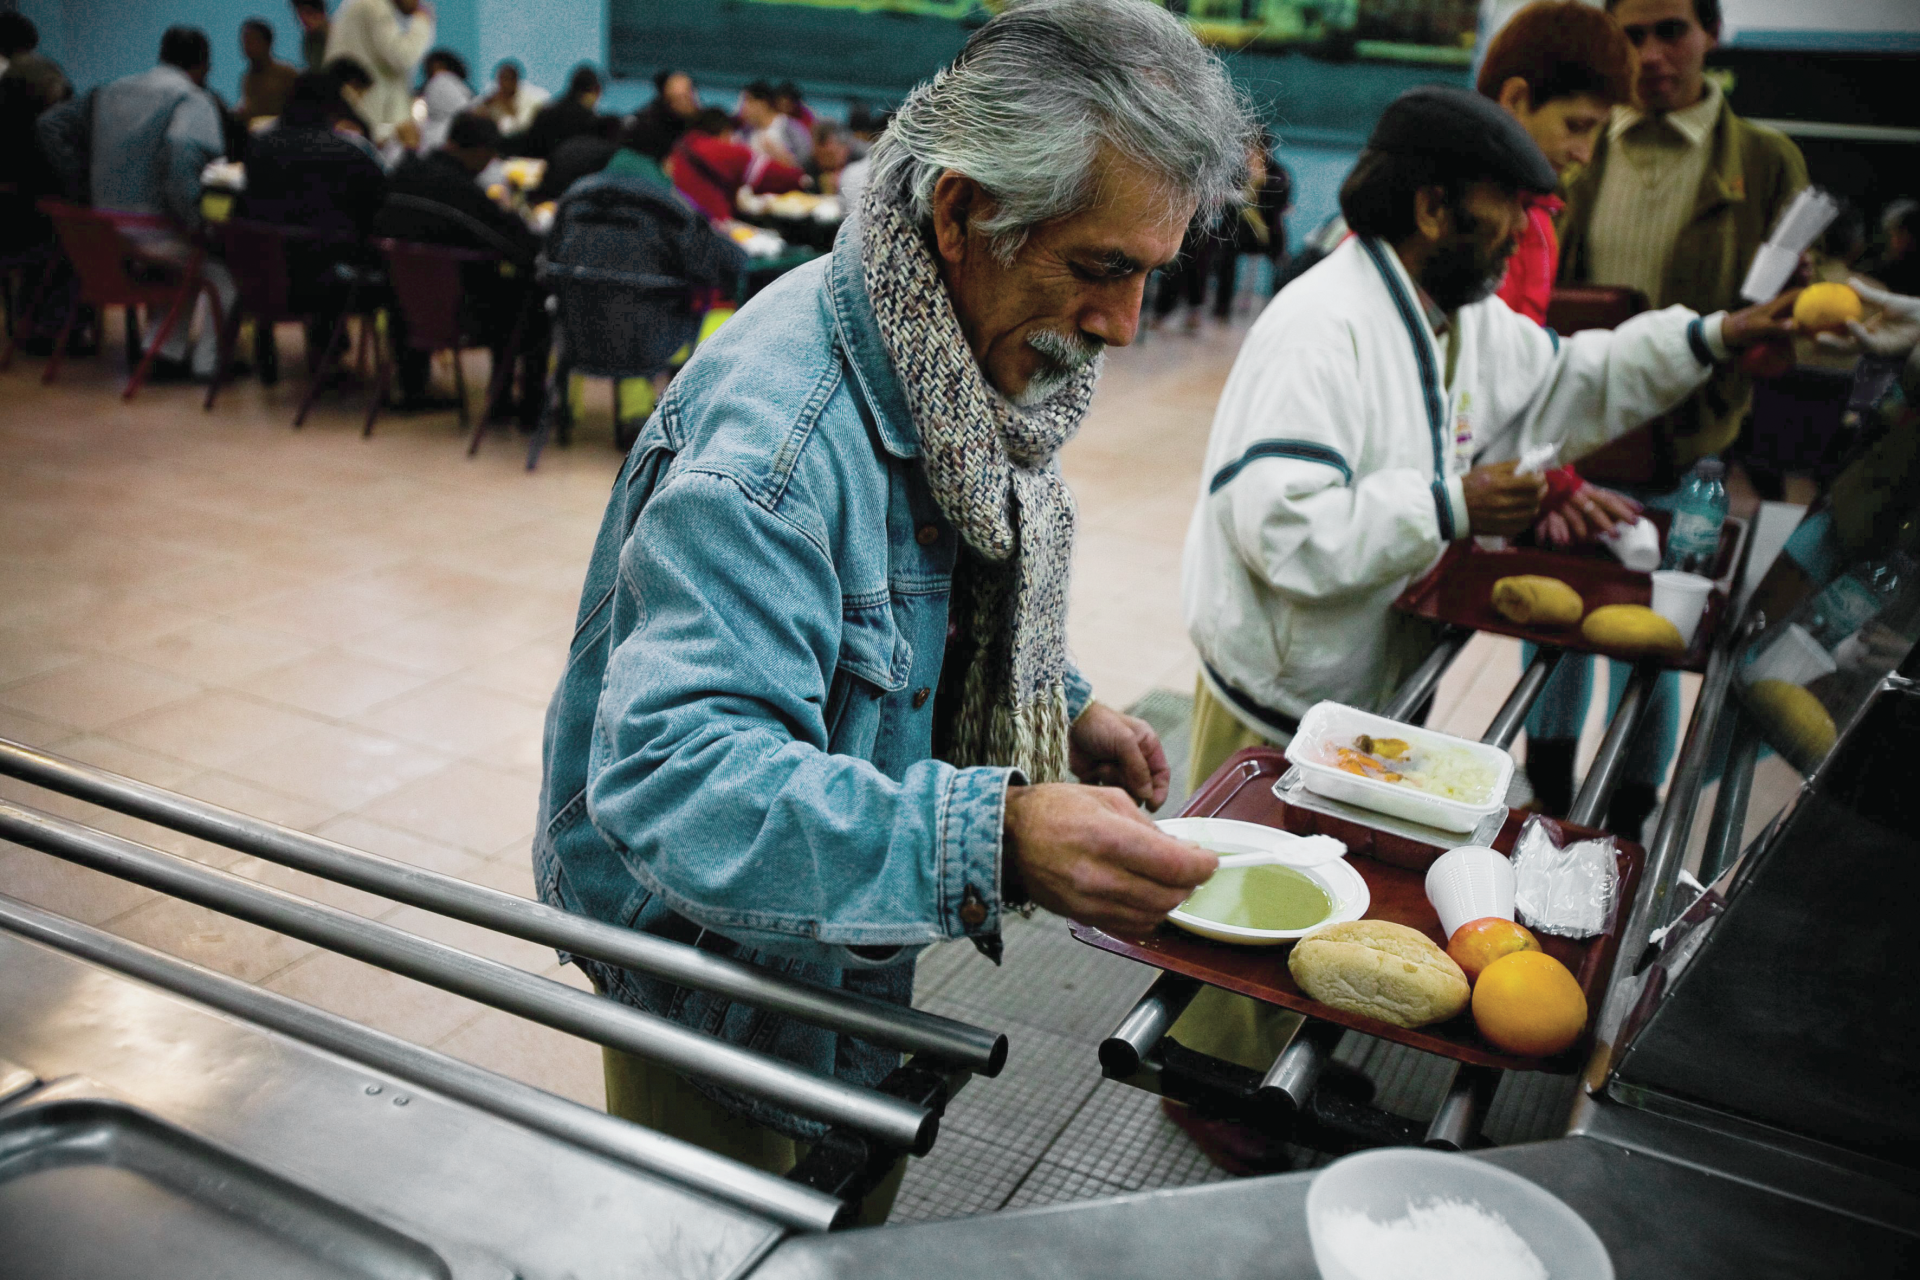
1041	90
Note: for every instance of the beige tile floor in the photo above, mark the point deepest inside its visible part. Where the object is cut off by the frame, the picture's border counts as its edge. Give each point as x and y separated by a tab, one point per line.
357	637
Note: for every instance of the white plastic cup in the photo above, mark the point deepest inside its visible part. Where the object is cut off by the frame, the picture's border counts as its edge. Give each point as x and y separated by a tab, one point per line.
1636	545
1795	657
1470	883
1681	598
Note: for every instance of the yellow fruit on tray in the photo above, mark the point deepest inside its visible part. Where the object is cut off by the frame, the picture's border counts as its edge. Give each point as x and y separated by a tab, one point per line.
1825	306
1534	600
1631	631
1796	721
1527	1003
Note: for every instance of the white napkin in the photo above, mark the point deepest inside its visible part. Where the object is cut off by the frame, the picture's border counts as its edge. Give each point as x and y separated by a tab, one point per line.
1635	545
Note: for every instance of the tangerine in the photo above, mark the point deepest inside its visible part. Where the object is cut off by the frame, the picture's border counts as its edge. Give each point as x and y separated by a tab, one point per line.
1527	1003
1825	306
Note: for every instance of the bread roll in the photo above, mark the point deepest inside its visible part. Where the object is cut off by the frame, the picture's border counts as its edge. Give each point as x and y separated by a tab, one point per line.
1631	631
1533	600
1381	970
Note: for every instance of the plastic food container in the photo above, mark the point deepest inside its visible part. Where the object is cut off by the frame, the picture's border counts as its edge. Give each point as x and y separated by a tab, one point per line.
1330	724
1385	1184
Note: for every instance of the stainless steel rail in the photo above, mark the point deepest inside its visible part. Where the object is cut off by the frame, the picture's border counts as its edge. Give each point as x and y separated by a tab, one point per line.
1298	1067
1456	1125
1512	715
1730	806
785	1202
898	1124
1122	1052
909	1030
1590	805
1426	677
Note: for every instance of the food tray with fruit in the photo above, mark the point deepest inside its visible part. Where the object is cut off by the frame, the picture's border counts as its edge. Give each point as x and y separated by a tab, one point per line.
1459	589
1395	875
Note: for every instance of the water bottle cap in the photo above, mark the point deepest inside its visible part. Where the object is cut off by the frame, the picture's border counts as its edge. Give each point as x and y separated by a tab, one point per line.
1710	468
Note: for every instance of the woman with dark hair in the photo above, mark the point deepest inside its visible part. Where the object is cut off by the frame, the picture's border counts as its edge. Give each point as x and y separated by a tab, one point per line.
445	91
568	116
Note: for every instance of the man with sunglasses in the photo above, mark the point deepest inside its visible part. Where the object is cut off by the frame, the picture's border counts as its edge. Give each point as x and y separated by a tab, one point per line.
1678	196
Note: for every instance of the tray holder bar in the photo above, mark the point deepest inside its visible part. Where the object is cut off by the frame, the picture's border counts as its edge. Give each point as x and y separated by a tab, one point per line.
1730	806
908	1030
1419	686
1456	1125
629	1144
1123	1052
899	1124
1512	716
1611	761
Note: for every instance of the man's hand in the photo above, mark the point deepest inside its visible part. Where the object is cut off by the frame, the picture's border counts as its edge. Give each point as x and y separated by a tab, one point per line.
1108	749
1086	853
1761	322
1588	512
1500	503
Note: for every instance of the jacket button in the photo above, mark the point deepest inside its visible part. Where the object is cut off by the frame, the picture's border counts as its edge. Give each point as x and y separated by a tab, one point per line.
928	535
973	911
920	697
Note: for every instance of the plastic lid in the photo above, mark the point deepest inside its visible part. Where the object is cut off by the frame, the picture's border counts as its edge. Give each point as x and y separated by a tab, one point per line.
1710	468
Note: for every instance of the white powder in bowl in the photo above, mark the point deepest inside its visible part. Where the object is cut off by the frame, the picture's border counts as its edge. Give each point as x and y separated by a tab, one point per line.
1437	1240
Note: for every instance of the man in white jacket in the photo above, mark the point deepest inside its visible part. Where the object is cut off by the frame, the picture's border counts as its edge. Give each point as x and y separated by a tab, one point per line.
1376	411
388	38
1375	416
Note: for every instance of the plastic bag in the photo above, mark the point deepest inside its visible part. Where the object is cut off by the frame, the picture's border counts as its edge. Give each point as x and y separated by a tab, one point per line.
1567	890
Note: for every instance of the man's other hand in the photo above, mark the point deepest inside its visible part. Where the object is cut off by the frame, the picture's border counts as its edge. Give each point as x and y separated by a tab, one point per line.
1761	322
1500	503
1109	749
1088	854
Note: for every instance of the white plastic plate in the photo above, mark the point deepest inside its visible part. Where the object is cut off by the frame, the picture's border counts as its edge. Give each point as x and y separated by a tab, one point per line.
1223	835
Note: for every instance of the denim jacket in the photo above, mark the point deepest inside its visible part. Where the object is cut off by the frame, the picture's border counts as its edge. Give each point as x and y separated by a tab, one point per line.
739	755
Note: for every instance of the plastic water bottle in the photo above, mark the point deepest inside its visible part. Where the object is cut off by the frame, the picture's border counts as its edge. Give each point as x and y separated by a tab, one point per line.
1693	542
1853	599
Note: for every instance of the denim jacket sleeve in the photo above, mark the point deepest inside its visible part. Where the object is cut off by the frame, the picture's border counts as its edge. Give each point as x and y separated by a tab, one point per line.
713	771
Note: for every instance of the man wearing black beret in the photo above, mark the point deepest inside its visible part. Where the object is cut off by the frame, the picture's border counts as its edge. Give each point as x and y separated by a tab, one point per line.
1375	415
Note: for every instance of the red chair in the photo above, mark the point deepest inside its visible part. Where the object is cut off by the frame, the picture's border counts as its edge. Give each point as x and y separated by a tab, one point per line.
256	253
427	286
114	269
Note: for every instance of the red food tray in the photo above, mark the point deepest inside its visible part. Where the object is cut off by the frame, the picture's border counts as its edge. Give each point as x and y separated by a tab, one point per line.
1243	790
1459	589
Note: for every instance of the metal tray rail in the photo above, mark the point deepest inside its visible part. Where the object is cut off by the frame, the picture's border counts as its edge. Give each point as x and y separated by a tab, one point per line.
777	1198
896	1123
914	1031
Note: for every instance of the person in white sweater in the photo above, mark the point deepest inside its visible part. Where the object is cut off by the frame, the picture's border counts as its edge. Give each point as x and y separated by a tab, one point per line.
1375	416
388	38
1378	407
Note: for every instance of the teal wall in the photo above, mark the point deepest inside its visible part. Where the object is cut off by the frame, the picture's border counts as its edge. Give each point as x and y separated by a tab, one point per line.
101	40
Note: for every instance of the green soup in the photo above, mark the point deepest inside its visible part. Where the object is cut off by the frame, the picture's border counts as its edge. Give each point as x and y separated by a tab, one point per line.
1268	897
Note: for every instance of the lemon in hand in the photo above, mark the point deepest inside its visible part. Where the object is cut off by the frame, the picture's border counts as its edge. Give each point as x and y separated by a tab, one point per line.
1825	306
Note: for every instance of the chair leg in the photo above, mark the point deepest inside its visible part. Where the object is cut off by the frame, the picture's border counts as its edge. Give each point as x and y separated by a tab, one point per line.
160	340
223	351
59	347
382	380
460	388
131	316
499	380
329	359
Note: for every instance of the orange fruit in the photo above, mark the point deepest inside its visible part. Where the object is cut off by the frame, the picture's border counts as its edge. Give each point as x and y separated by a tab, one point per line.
1478	943
1527	1003
1825	306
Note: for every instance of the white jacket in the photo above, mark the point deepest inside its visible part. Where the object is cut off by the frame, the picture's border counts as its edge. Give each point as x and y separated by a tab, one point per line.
378	37
1333	474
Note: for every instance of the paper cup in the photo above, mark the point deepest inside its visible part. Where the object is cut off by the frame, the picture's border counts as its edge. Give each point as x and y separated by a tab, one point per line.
1469	883
1635	545
1795	657
1681	598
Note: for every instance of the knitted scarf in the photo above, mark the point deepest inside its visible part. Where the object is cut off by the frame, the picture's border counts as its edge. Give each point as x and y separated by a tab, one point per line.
991	467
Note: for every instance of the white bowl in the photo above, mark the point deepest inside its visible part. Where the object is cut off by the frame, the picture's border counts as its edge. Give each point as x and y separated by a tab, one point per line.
1385	1184
1331	722
1342	883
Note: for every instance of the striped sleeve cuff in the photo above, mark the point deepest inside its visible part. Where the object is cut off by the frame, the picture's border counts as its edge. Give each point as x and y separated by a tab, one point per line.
1706	337
1450	500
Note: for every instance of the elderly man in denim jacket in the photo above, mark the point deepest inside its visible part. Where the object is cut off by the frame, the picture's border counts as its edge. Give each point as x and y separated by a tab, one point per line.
818	712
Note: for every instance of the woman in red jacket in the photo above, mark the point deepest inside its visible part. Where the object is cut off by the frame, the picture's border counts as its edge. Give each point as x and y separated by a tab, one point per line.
707	167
